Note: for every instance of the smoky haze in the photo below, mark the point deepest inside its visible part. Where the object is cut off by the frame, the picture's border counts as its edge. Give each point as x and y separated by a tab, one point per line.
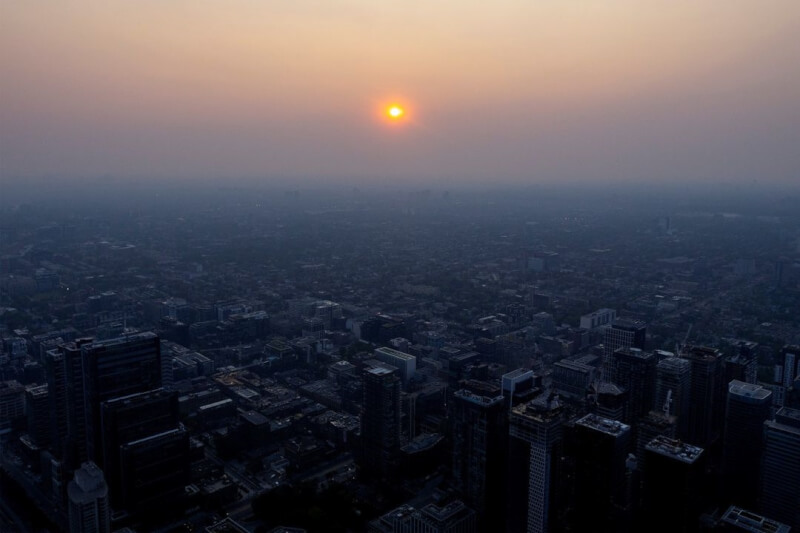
512	92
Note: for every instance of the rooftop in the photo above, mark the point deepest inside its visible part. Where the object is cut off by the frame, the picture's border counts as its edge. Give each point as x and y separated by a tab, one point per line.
394	353
477	398
379	371
605	425
675	449
749	521
748	390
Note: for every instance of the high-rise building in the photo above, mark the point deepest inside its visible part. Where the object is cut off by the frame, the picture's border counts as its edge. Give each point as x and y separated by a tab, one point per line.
380	420
675	486
623	333
535	436
609	401
600	449
673	382
654	424
791	364
780	468
406	364
37	409
748	407
82	374
131	418
115	368
706	396
635	370
573	378
742	365
88	501
480	439
12	404
154	472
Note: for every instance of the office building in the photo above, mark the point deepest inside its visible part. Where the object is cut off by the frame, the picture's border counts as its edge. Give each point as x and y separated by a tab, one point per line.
654	424
572	378
790	355
601	447
748	407
37	410
131	418
598	319
88	501
154	472
12	405
780	468
609	401
673	382
406	364
380	420
675	486
623	333
115	368
535	438
480	431
706	396
635	370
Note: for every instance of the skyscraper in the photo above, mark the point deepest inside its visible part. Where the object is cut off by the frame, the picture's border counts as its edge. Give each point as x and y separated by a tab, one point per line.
88	501
748	406
635	370
115	368
706	395
791	364
673	382
380	420
480	431
623	333
601	448
535	431
131	418
675	486
780	468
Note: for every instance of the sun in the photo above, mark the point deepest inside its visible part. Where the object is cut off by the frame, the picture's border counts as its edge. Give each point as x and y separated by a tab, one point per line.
395	112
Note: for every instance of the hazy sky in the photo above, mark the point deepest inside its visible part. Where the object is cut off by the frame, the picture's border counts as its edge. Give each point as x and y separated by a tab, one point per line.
512	90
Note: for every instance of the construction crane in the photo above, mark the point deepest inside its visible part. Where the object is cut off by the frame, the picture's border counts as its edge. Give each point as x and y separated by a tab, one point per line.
667	402
679	347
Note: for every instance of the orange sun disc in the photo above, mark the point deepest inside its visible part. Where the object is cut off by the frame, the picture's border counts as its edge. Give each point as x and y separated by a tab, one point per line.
395	111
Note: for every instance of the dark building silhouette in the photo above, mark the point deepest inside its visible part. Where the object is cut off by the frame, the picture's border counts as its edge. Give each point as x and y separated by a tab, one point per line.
154	472
609	400
37	409
115	368
635	370
780	468
132	418
706	396
675	486
480	440
748	407
380	420
600	450
623	333
654	424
